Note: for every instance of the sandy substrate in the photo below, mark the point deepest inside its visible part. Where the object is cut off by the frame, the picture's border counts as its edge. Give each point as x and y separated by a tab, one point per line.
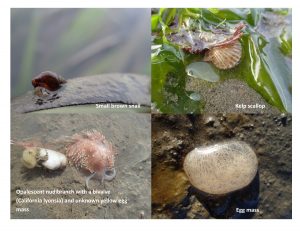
128	132
174	136
229	96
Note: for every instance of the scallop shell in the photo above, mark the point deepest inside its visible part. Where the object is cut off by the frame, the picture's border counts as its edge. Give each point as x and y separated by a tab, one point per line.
221	168
225	57
48	80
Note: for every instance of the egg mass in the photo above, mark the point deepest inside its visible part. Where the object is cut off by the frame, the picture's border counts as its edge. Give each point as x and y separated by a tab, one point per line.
221	168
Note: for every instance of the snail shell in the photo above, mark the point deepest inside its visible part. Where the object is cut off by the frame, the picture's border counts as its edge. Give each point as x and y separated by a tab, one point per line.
221	168
225	57
48	80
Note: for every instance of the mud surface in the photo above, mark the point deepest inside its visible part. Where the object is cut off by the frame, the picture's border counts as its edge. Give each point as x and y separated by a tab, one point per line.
174	136
132	182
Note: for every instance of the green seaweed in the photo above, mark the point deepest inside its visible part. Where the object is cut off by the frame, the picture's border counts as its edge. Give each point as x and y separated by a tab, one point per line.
285	40
168	84
263	66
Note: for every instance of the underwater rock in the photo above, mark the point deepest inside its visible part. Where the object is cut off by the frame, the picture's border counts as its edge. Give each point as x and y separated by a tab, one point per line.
125	88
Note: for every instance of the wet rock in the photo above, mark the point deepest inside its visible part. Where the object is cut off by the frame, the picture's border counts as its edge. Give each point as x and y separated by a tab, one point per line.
111	88
221	168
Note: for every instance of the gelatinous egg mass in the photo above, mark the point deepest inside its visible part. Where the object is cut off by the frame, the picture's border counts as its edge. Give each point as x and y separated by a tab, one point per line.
202	70
221	168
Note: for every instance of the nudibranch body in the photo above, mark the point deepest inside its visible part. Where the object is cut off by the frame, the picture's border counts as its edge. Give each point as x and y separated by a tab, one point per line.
90	151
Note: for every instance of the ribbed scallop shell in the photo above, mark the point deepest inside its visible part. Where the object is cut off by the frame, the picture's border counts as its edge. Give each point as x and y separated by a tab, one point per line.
225	57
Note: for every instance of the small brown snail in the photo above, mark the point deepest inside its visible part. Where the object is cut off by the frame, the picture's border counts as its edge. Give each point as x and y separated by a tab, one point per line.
48	80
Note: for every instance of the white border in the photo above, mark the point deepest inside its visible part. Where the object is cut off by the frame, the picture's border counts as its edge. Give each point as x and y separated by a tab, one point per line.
6	224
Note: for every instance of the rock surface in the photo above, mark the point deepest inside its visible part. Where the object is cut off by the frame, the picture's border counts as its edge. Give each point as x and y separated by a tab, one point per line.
105	88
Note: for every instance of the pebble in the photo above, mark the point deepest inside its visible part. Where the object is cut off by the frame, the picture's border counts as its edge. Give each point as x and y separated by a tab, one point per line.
209	120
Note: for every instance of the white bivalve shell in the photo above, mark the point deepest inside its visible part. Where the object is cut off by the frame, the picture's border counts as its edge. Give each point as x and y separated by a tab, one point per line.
56	160
221	168
225	57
